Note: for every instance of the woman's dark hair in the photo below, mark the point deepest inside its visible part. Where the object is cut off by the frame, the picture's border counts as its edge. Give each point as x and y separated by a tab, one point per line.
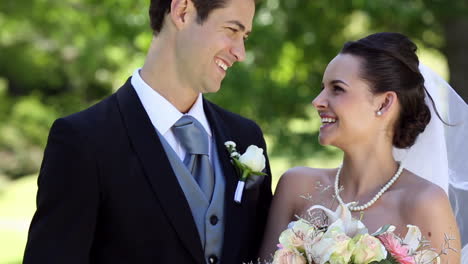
159	8
390	63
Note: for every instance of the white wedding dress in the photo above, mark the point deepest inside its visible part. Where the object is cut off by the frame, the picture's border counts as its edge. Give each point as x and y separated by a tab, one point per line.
440	153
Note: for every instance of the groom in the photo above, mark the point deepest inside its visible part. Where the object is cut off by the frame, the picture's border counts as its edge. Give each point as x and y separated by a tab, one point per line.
144	176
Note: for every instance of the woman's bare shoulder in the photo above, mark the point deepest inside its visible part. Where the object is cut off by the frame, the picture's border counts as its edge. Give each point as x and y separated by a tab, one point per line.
419	191
423	198
427	206
303	184
305	177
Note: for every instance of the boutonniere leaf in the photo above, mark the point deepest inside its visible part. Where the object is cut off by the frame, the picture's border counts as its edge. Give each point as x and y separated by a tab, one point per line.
252	162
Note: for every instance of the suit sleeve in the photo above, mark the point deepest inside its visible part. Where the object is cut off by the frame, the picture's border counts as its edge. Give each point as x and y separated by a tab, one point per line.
62	228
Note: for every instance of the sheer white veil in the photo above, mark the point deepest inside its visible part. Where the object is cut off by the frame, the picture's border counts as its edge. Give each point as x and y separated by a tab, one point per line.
440	153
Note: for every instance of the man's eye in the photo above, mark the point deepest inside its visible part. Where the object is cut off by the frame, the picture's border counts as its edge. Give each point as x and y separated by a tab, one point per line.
233	30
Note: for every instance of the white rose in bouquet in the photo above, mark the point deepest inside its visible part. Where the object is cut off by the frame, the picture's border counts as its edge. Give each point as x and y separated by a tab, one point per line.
293	237
368	249
287	256
333	247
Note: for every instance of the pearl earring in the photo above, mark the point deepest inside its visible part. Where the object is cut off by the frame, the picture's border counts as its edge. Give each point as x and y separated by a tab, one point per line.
379	113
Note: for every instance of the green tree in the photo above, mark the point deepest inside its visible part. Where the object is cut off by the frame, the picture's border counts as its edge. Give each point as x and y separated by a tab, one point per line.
59	57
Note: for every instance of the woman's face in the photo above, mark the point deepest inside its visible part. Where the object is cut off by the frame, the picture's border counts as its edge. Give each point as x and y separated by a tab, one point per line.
346	106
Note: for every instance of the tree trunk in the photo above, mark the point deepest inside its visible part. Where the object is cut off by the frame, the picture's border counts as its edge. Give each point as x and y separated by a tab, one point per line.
456	50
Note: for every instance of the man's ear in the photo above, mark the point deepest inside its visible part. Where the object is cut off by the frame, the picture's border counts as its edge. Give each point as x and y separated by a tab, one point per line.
387	102
182	11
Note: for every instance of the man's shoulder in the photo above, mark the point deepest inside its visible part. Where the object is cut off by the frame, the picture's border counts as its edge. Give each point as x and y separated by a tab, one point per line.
99	112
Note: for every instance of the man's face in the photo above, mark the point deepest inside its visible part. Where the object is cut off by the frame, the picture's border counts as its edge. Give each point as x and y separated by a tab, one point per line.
206	51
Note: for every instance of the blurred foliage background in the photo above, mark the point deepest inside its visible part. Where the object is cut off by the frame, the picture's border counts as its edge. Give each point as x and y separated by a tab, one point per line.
58	57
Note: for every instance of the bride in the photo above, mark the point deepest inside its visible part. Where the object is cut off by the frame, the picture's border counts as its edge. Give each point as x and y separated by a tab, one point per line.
372	100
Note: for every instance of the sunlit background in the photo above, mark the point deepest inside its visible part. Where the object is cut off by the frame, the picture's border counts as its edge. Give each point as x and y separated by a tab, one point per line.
57	57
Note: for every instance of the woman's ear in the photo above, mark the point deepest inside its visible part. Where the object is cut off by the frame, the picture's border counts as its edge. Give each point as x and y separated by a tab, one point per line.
387	102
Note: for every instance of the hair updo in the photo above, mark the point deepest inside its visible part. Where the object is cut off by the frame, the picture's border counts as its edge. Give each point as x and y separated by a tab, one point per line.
390	63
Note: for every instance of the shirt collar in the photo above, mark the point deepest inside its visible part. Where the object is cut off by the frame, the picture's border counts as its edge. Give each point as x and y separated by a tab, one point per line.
161	112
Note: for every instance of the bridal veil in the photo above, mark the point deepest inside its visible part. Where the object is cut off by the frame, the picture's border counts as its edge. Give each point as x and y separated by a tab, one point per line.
440	153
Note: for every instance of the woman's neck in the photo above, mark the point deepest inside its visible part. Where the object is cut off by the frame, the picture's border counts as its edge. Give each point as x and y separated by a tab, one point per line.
365	171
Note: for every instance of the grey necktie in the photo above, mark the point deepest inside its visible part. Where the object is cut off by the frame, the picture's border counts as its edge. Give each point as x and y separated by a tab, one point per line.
194	139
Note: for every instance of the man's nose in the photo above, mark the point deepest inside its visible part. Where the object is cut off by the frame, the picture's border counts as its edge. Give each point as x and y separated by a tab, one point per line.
238	50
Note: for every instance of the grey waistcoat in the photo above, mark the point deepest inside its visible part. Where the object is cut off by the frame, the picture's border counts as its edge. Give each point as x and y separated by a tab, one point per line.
207	215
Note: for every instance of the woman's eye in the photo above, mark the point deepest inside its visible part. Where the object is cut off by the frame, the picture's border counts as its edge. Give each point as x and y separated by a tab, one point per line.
337	88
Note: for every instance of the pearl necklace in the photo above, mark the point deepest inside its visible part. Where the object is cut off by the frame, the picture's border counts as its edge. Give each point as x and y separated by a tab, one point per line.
373	200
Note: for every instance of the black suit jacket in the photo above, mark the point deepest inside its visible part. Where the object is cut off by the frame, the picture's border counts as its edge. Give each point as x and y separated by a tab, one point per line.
107	192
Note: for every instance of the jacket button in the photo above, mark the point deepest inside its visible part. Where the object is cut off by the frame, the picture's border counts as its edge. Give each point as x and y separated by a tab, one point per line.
213	259
214	219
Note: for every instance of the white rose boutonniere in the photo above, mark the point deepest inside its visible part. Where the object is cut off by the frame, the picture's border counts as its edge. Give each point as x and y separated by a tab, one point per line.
252	162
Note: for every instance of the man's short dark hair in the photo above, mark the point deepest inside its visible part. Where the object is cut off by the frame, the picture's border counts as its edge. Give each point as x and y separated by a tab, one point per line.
160	8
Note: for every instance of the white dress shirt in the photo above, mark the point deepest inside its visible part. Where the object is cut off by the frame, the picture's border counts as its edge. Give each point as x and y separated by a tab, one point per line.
164	115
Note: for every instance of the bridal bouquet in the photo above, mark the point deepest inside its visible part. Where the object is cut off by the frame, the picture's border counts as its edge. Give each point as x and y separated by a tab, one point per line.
345	240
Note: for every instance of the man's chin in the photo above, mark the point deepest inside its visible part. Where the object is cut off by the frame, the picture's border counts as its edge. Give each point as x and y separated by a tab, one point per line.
212	89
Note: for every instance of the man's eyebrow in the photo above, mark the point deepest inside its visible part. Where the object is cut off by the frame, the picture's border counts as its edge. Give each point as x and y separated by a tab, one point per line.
239	24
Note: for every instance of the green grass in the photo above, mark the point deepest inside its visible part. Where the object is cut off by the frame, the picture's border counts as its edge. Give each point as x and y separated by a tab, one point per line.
17	205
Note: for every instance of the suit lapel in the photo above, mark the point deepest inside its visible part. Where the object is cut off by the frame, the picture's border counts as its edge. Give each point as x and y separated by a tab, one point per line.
158	170
233	211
